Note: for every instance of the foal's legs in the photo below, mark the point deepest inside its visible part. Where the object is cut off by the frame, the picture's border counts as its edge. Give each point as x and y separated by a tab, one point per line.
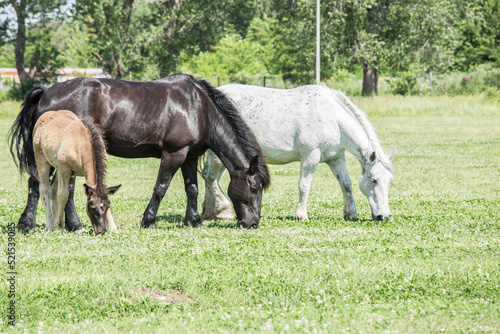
27	221
44	173
169	164
189	172
339	169
216	205
110	222
72	221
308	165
63	176
53	194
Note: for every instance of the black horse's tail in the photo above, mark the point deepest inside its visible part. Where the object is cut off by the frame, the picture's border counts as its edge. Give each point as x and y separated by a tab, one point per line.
245	136
21	133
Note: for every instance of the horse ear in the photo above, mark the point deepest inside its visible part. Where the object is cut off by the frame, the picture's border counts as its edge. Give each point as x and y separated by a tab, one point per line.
113	189
391	155
89	191
373	156
254	165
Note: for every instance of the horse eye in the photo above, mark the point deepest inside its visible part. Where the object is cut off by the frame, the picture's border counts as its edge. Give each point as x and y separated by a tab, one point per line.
374	181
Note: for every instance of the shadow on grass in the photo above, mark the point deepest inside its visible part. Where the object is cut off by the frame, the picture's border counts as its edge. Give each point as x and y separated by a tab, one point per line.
337	221
177	221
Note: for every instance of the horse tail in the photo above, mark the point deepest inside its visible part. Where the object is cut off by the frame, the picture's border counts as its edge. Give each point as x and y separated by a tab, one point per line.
245	136
21	133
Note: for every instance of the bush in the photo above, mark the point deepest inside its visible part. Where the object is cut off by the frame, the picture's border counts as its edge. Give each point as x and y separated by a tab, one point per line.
18	92
404	84
492	79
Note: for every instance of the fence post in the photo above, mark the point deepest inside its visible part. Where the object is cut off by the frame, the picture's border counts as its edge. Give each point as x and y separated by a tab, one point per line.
264	81
218	81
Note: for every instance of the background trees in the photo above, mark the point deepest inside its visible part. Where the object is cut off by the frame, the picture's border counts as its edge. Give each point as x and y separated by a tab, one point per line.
144	40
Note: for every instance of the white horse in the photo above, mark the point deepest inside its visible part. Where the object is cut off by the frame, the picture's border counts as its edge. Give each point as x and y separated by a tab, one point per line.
312	124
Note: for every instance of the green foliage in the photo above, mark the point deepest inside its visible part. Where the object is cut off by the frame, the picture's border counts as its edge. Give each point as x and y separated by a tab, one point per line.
7	56
43	48
76	51
492	79
405	83
18	91
143	40
239	59
479	23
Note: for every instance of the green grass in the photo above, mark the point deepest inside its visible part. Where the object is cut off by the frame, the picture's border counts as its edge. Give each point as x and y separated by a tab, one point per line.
434	267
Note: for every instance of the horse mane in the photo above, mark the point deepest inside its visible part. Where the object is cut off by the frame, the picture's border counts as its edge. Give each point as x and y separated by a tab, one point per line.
368	128
99	152
245	136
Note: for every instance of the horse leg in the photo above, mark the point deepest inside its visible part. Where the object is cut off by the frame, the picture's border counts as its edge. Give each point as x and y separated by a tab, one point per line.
169	164
44	173
63	177
189	173
53	195
72	221
308	165
110	223
339	169
27	221
215	205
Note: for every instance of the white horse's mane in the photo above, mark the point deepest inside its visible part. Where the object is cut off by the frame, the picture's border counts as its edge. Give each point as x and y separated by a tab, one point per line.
368	127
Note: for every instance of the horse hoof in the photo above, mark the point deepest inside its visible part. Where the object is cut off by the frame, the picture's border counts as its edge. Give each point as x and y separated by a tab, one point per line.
193	221
351	216
300	216
225	216
146	225
25	224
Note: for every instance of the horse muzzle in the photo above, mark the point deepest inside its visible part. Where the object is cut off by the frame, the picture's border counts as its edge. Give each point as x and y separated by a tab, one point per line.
252	224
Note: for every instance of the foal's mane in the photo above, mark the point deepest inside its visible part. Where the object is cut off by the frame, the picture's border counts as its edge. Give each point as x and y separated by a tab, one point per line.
368	128
99	152
245	136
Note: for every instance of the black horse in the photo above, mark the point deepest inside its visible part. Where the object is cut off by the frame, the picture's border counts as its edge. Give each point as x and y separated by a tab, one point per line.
175	119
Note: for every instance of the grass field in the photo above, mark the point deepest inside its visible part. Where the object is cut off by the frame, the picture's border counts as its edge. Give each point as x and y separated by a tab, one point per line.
434	267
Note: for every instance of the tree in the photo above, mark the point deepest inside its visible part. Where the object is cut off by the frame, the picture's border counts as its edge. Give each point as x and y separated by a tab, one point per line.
191	26
479	23
423	32
114	34
26	12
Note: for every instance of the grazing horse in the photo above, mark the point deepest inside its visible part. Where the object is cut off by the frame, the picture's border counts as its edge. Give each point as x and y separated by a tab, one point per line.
310	124
175	119
75	148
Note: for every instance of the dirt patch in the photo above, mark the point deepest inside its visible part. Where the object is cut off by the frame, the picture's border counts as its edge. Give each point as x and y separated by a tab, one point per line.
174	296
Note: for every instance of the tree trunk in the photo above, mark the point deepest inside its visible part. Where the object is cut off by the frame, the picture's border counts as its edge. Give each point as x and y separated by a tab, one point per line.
20	40
370	77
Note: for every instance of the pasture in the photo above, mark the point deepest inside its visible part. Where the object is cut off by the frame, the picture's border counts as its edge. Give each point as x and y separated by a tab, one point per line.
433	267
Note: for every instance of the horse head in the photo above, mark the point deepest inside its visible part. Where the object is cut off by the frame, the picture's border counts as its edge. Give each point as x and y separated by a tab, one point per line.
375	181
245	191
98	206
